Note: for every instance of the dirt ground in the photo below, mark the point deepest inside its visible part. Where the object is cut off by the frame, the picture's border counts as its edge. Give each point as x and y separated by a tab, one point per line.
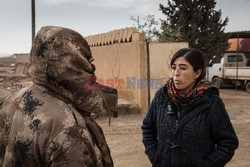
125	139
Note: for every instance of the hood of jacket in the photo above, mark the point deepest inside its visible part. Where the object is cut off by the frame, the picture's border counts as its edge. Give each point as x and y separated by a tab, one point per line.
61	61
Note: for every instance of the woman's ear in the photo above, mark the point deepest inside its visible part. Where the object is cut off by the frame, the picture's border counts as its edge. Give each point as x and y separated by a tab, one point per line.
198	73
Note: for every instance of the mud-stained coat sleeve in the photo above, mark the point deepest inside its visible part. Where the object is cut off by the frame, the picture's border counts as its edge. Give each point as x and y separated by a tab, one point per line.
72	147
5	123
7	112
3	135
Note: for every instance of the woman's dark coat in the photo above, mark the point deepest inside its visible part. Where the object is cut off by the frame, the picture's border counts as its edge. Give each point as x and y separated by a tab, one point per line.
203	136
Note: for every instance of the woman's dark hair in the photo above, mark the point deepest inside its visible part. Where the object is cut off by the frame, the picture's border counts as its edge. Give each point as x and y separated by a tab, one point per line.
194	57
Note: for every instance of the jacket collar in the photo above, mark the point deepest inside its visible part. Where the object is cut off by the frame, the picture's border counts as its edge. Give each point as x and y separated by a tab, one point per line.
189	111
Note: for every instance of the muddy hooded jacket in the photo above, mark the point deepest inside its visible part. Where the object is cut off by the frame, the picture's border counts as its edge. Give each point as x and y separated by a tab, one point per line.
48	123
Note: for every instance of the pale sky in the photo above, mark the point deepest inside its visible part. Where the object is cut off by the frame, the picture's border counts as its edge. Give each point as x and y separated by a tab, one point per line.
90	17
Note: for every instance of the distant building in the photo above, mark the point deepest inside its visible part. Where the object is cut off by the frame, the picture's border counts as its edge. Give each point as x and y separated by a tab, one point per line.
21	62
21	57
14	59
7	61
239	41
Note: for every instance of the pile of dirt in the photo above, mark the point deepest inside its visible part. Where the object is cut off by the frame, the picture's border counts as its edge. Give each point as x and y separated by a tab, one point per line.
11	83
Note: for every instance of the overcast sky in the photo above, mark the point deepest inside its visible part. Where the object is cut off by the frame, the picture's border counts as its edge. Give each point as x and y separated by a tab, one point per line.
90	17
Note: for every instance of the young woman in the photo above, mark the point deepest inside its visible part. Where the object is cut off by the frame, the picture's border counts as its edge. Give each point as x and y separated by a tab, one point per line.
187	124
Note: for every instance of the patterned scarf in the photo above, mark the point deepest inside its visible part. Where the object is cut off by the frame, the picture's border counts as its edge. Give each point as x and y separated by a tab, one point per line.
183	99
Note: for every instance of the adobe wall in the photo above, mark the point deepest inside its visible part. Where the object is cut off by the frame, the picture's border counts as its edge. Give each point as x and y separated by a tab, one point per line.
121	61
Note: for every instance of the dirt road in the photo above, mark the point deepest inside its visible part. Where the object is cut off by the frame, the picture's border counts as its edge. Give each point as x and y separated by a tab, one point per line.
125	139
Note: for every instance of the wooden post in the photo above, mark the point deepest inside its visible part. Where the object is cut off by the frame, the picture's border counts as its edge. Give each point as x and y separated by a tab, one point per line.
33	19
237	64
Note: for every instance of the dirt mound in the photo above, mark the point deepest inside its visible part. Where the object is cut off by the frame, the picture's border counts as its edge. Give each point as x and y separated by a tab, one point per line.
11	83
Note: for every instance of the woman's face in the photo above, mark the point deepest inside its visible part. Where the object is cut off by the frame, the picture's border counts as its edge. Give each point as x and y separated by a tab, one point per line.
184	75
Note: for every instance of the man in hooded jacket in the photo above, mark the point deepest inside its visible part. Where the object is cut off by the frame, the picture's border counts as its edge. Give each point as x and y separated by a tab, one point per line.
49	123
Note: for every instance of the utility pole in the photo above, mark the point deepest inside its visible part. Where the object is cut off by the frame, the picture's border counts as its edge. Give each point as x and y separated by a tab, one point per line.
237	63
33	19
